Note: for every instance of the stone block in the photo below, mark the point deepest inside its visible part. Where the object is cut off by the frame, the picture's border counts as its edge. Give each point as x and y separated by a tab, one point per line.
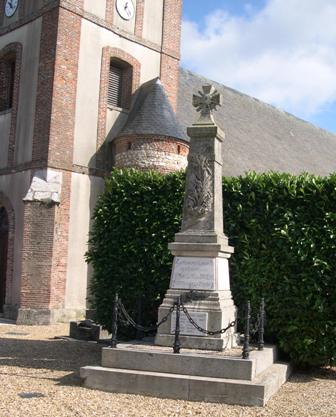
186	387
87	330
200	273
135	382
46	186
185	363
31	316
220	312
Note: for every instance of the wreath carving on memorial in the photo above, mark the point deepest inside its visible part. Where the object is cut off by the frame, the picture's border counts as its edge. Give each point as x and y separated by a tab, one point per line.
200	195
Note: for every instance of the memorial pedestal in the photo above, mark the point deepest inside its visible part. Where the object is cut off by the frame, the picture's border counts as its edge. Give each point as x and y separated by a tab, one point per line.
217	311
209	277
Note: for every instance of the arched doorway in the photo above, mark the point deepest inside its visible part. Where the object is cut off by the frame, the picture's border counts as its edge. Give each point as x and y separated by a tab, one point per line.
3	255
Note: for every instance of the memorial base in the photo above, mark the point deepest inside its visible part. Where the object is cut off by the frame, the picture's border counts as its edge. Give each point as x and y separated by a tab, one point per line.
214	312
143	369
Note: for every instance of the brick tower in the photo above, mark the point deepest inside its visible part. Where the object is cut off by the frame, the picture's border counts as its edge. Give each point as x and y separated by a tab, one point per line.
70	72
152	137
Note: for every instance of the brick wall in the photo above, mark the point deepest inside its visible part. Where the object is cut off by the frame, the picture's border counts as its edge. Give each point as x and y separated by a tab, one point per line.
65	90
171	40
46	227
162	154
37	251
44	96
170	77
139	18
45	251
109	13
57	88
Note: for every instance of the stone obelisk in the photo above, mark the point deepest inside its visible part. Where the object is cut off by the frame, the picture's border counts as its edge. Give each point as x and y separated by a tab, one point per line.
201	249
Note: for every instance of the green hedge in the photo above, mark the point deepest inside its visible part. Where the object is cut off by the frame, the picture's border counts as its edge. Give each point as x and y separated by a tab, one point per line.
283	229
134	220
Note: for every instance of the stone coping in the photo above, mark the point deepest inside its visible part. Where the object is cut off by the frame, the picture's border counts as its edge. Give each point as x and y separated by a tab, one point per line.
147	344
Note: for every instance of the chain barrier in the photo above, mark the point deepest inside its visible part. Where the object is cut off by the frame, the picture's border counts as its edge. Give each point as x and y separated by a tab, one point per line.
129	320
139	327
252	325
200	329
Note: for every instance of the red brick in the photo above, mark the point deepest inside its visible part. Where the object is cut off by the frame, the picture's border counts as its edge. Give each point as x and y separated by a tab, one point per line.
171	39
139	18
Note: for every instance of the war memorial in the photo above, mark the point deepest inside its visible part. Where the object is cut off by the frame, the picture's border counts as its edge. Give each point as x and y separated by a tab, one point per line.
196	353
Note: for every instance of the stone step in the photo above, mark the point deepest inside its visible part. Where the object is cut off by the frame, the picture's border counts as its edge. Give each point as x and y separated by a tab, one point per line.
187	387
186	363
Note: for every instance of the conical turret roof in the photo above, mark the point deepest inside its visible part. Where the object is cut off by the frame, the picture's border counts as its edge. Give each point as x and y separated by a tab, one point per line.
152	114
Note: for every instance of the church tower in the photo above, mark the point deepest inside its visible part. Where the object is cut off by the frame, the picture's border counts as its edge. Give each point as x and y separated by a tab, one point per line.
74	75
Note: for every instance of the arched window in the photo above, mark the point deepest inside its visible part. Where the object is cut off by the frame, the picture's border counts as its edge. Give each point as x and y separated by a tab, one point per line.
120	84
7	77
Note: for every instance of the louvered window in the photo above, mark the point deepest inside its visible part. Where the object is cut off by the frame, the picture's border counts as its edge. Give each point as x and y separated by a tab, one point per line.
115	86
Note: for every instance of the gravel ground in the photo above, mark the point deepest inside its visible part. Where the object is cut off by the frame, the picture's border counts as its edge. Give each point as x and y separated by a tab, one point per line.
39	377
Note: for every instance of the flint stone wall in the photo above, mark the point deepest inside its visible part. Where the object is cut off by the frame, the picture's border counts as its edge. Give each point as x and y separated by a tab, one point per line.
158	153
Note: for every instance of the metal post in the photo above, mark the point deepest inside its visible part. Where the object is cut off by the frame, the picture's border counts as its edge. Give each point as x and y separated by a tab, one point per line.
115	321
139	334
177	342
261	325
246	347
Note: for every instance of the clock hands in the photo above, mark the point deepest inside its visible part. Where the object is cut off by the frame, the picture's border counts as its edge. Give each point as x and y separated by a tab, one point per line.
127	10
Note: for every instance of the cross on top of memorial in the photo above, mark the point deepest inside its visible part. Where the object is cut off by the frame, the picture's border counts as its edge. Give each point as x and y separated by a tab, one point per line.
206	102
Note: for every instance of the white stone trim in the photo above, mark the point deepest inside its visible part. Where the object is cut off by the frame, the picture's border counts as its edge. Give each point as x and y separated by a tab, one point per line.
46	187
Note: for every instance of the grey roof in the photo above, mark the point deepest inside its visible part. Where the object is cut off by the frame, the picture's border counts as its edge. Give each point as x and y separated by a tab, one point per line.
259	137
153	114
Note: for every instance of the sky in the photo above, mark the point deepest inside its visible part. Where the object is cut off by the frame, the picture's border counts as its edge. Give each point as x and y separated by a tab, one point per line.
280	51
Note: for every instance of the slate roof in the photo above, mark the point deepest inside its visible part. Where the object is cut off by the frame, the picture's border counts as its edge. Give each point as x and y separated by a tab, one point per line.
153	114
260	137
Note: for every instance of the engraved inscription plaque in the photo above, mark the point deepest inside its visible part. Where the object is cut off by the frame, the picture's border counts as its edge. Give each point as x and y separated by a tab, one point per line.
193	273
186	328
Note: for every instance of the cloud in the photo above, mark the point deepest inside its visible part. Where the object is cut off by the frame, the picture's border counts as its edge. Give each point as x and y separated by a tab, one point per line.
284	54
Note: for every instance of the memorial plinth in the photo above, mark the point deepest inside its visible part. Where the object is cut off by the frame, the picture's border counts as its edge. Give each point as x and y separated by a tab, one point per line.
201	250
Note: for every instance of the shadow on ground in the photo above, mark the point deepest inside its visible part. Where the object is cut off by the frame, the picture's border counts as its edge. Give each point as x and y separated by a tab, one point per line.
49	355
312	374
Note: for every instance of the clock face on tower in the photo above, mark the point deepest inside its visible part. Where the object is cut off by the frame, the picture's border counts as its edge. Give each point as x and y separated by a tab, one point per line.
125	8
11	7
